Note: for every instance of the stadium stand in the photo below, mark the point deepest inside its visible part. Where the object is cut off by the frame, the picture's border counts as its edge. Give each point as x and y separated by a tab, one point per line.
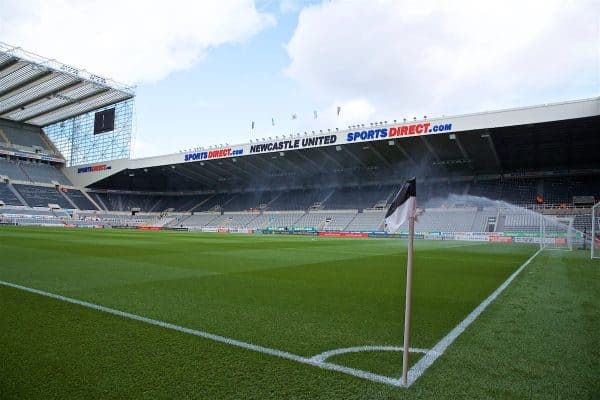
125	202
44	173
583	222
519	192
488	189
22	135
368	220
13	170
277	219
297	199
7	196
480	221
445	220
79	199
522	222
114	218
562	190
326	219
35	172
249	201
235	220
200	219
358	197
179	203
41	196
216	202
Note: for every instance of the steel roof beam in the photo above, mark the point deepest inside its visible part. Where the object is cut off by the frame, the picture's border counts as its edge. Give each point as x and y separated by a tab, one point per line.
10	66
202	169
43	95
380	157
235	167
246	162
66	105
186	172
292	164
430	148
354	156
463	151
267	163
27	82
192	178
329	157
405	153
316	167
488	136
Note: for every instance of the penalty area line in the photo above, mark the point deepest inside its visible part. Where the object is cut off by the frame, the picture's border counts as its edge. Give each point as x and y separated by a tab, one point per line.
436	351
314	361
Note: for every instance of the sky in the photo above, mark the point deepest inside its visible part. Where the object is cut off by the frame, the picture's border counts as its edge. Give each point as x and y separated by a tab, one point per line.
205	70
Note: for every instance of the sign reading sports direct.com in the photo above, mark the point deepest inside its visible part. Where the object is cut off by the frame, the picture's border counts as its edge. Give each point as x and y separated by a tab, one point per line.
405	130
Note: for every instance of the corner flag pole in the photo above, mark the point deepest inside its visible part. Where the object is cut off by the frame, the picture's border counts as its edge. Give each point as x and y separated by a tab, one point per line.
402	209
409	273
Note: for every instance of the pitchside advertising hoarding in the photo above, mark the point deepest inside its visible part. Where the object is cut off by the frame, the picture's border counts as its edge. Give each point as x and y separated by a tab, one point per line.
339	138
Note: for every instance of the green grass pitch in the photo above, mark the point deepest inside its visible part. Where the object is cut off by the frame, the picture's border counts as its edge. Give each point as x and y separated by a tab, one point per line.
301	295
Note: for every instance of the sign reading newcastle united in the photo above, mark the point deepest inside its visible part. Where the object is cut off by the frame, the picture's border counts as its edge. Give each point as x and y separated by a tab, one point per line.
294	144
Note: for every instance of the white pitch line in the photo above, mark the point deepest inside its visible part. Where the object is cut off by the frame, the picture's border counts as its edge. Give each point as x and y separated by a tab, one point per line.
265	350
324	356
436	351
462	245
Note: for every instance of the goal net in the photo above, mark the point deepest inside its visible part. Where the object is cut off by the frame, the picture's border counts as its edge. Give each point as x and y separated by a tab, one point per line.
558	233
595	234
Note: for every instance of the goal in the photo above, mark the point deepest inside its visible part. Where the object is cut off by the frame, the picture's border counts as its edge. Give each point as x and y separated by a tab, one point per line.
557	233
595	235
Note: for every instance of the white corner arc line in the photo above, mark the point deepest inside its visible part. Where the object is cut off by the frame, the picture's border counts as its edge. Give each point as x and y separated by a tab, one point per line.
436	351
325	355
217	338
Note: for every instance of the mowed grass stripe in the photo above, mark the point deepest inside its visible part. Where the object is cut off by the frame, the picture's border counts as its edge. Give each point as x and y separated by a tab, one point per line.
538	340
287	294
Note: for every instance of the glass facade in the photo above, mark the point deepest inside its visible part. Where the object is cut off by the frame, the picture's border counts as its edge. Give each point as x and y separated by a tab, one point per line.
76	141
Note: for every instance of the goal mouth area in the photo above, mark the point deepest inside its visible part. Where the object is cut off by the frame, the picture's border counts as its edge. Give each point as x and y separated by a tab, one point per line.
558	233
594	238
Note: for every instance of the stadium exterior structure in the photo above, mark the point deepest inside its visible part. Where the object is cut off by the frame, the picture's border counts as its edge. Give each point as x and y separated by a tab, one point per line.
65	140
557	139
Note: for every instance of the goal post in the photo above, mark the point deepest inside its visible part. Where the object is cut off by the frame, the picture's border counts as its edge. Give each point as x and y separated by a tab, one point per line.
595	234
557	233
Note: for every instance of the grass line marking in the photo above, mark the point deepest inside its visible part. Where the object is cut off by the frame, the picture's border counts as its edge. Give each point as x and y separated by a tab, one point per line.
325	355
233	342
436	351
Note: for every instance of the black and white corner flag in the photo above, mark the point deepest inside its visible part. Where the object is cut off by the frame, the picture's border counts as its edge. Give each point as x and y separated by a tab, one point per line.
403	205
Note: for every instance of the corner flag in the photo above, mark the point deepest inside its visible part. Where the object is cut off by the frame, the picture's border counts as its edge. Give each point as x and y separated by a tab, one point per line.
403	206
402	209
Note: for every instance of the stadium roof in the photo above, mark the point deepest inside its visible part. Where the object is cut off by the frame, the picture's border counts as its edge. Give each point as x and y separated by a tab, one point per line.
40	91
550	139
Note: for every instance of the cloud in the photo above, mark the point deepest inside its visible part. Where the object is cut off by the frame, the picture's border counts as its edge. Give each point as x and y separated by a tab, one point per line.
412	58
128	40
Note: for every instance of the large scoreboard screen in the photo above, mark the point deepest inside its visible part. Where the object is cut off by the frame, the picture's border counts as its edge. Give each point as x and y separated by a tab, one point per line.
104	121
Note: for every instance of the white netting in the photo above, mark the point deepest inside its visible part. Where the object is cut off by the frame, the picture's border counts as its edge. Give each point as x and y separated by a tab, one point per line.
558	234
595	234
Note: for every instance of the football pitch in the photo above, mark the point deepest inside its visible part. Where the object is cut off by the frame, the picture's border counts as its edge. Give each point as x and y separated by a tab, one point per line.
134	314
